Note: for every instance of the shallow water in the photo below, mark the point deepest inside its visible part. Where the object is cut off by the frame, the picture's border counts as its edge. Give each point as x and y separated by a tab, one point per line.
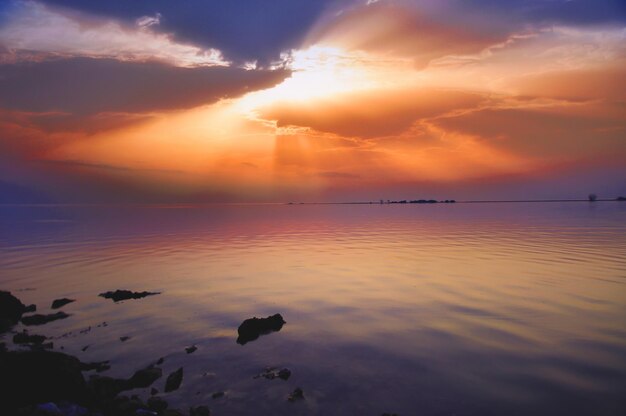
465	309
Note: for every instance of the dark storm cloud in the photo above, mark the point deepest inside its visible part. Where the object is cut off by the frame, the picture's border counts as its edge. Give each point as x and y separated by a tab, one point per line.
87	86
242	29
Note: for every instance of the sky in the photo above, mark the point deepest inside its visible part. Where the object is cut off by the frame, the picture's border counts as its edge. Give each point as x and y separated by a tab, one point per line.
152	101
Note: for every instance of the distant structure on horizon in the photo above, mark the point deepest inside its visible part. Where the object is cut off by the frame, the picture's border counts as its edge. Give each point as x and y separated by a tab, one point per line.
592	197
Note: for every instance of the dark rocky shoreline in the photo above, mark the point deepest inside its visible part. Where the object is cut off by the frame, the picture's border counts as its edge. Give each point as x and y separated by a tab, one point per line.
41	382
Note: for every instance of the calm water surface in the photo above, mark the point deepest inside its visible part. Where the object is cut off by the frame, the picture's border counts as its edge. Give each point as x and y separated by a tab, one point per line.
466	309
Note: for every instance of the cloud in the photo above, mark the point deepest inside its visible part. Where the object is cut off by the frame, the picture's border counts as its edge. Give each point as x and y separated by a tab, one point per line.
371	113
393	30
45	32
87	86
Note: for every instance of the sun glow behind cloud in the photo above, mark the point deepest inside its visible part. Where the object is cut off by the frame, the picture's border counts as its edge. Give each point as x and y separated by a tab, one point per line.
376	97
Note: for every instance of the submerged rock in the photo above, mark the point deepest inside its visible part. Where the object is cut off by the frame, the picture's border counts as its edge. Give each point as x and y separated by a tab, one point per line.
217	395
99	366
297	394
43	319
58	303
191	349
252	328
120	295
173	380
11	310
31	377
272	373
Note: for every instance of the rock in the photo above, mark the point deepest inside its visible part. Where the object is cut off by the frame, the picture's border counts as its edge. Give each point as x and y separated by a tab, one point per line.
99	366
389	414
191	349
124	338
31	377
173	380
252	328
157	404
30	308
199	411
103	388
119	295
284	374
11	310
153	391
217	395
25	338
271	373
160	361
145	377
297	394
43	319
58	303
3	347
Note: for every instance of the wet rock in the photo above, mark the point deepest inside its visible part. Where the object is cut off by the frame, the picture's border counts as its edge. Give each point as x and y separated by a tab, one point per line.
217	395
252	328
43	319
25	338
160	361
390	414
199	411
99	366
297	394
58	303
31	377
30	308
11	310
120	295
173	380
84	348
191	349
124	338
153	391
3	347
145	377
284	374
157	404
145	412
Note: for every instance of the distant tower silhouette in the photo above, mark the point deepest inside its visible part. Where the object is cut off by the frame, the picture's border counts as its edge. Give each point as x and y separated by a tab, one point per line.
592	197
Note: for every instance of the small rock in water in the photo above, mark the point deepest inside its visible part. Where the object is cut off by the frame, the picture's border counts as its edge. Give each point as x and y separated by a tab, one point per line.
191	349
84	348
153	391
145	377
271	373
173	380
124	338
119	295
390	414
217	395
199	411
160	361
58	303
252	328
25	338
43	319
297	394
30	308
